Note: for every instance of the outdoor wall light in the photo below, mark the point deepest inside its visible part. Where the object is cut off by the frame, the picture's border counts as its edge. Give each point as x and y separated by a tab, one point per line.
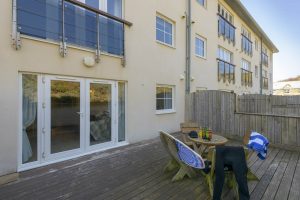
192	78
181	77
89	61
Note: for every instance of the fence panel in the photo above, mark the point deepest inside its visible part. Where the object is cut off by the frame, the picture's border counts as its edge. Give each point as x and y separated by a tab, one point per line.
277	117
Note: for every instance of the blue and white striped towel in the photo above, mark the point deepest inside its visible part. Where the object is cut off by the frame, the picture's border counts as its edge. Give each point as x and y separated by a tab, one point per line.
258	143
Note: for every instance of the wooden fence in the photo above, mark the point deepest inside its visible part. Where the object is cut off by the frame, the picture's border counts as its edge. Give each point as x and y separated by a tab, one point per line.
277	117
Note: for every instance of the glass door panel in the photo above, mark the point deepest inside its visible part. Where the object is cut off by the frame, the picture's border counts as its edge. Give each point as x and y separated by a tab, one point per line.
29	118
65	116
100	113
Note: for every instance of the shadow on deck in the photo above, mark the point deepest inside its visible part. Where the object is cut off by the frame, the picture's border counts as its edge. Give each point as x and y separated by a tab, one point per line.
135	172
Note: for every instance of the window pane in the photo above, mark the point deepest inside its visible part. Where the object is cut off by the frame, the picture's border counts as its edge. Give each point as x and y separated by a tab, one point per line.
168	39
168	104
160	104
221	70
29	116
93	3
168	28
121	111
159	24
160	92
168	92
114	7
159	35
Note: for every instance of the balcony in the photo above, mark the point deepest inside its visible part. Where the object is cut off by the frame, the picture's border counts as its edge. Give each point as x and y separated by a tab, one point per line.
226	71
265	83
72	22
246	45
246	78
226	29
265	59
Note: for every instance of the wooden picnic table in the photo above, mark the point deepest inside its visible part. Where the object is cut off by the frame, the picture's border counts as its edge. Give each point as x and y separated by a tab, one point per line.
201	145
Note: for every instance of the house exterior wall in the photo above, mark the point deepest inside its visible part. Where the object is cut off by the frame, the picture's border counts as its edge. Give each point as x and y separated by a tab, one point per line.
148	63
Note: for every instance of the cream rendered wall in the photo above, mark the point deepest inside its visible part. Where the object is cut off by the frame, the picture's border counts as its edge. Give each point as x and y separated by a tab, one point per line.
148	64
206	70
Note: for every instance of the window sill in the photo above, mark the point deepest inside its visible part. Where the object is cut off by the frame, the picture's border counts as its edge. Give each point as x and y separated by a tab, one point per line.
202	57
161	112
165	44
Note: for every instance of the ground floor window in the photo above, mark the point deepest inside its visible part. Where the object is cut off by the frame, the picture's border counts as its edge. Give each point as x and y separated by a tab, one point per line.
66	116
165	98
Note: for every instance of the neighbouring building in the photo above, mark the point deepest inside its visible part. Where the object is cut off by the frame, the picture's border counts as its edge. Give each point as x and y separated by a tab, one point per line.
83	76
287	88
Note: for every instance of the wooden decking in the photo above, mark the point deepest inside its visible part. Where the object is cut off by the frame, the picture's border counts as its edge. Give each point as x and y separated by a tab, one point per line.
135	172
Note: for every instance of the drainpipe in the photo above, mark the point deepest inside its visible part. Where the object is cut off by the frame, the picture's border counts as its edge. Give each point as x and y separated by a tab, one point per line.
261	66
188	49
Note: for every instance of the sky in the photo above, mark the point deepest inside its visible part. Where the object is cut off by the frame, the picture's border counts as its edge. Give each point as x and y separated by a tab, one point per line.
281	22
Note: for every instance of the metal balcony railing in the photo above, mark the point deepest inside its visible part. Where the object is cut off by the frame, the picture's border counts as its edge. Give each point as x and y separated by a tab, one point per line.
246	45
72	22
226	29
265	82
226	71
246	78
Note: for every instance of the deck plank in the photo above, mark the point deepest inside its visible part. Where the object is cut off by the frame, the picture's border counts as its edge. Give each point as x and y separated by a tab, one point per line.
265	174
295	191
135	172
285	185
276	179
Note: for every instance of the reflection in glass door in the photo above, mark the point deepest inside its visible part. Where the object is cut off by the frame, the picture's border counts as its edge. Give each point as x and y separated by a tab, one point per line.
100	113
65	115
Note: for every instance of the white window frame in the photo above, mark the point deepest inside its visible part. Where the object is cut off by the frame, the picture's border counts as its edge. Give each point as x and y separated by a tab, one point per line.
165	111
226	14
246	32
246	63
225	51
204	47
256	44
173	30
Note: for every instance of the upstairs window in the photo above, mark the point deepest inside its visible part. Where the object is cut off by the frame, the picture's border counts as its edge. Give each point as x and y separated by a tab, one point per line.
265	80
265	57
225	24
164	31
43	19
246	74
200	47
226	70
246	42
256	44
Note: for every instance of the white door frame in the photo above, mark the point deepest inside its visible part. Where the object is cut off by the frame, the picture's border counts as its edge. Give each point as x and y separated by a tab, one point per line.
44	157
47	147
114	125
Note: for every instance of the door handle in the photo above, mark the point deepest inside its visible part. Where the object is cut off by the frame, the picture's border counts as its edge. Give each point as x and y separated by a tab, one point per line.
80	113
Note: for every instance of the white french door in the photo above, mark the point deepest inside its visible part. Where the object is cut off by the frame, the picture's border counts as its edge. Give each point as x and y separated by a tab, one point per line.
100	114
63	117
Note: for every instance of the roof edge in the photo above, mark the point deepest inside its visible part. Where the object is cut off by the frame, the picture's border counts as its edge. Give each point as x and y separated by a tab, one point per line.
244	14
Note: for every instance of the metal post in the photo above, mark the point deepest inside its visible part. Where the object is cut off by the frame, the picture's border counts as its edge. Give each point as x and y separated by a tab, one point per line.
261	66
188	49
123	61
63	44
98	52
15	36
